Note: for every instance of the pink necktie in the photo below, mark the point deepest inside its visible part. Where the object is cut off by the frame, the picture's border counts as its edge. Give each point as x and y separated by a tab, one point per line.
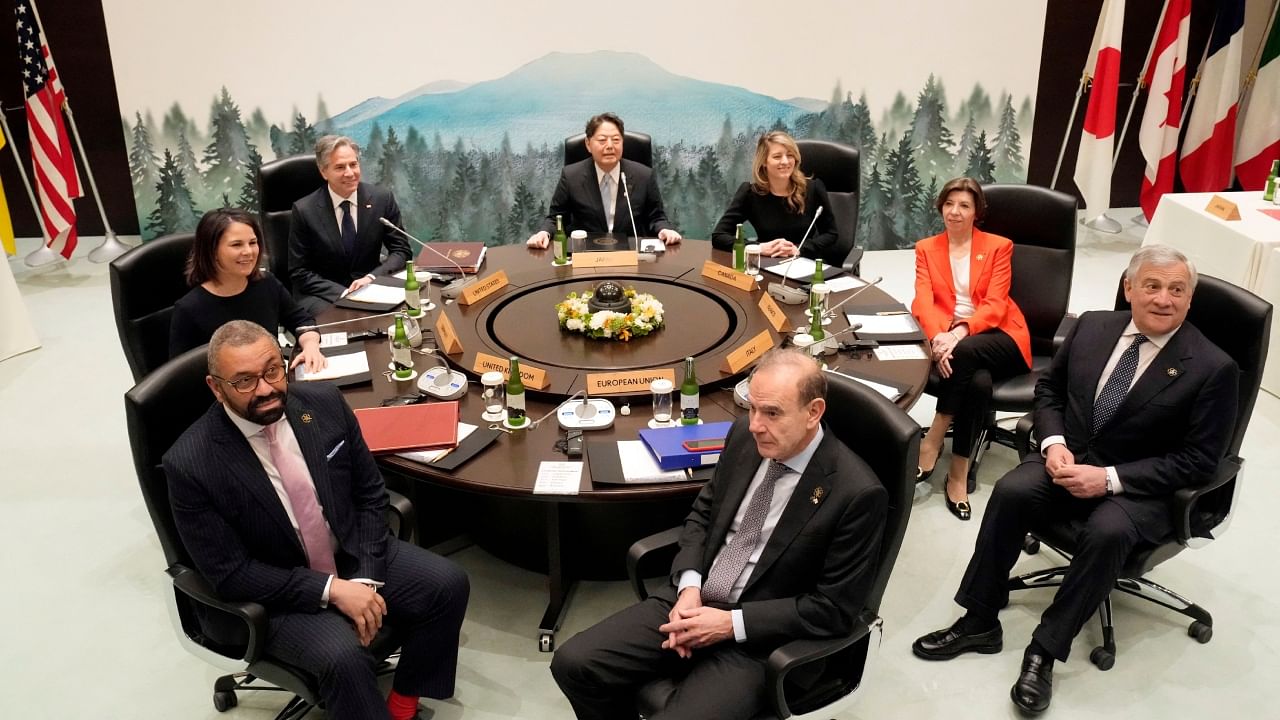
302	497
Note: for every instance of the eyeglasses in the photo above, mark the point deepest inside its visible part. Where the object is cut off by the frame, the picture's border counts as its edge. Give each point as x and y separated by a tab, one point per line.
272	375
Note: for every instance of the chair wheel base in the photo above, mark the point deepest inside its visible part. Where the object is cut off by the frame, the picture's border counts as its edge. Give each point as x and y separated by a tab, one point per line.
1201	632
224	700
546	642
1102	658
1030	545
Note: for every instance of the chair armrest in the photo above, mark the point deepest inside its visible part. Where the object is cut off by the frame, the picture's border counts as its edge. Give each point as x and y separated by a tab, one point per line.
1184	500
1064	328
798	653
853	259
254	616
1022	435
401	509
643	548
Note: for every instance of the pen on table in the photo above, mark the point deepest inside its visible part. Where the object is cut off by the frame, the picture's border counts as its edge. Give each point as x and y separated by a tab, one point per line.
892	312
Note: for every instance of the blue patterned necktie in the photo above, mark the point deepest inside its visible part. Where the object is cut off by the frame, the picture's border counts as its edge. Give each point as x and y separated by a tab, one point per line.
733	560
606	199
1117	386
348	228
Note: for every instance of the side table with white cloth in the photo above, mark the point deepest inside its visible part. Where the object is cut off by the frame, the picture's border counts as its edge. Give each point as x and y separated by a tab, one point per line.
17	334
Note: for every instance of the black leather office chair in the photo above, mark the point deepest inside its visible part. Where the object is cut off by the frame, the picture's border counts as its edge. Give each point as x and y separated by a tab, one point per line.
145	283
1042	225
889	441
636	147
1239	323
837	166
229	635
281	183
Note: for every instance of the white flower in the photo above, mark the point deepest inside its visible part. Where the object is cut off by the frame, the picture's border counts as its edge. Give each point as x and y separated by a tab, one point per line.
575	325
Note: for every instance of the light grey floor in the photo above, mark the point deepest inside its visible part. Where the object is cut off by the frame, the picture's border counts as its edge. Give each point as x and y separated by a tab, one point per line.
86	633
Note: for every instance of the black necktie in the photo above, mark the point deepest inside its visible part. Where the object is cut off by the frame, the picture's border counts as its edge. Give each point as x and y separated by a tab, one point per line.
1117	386
348	228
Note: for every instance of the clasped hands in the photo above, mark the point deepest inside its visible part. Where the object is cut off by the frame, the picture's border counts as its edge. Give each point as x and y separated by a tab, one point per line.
943	346
361	604
690	624
1082	481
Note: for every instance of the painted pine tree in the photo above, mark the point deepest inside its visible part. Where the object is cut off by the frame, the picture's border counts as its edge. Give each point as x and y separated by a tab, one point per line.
175	211
226	158
1006	153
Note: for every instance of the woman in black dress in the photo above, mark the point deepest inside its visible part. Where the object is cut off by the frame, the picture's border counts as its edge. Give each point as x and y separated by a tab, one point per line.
226	285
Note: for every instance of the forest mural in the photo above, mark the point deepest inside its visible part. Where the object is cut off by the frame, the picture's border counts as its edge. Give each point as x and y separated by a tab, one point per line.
479	161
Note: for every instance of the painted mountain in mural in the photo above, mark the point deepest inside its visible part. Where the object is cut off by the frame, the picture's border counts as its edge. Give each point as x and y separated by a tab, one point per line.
549	98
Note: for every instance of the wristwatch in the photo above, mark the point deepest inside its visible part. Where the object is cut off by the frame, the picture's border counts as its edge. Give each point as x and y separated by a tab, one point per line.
1110	487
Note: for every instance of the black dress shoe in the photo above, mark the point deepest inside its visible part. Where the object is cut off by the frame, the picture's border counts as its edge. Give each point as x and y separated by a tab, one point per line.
959	509
971	484
922	475
1034	688
953	641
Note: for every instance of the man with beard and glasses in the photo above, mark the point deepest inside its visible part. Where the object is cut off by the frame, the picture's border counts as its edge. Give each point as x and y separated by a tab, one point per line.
279	502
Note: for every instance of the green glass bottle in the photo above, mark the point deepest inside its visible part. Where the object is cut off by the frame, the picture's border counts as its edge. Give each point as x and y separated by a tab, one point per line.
740	250
400	355
560	242
815	325
412	290
1269	194
689	394
817	278
515	396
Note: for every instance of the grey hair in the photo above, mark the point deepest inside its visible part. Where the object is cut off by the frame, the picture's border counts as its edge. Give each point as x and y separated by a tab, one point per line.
327	144
814	383
1160	256
235	333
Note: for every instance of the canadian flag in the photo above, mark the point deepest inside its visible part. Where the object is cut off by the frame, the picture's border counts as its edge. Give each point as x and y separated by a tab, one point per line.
1097	139
1260	135
1211	130
1165	77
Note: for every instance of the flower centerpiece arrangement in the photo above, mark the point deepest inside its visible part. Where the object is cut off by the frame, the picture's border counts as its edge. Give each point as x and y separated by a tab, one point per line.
610	312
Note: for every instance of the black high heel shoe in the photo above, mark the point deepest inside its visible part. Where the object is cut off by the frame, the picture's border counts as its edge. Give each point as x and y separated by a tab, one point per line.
959	509
923	475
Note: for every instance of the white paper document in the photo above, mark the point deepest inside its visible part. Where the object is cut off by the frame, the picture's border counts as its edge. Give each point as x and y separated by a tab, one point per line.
333	339
884	324
339	366
900	352
887	391
378	294
558	478
798	267
639	465
430	456
844	282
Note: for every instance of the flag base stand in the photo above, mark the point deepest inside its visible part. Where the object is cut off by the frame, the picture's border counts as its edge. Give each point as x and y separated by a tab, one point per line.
1102	223
1141	220
42	257
110	249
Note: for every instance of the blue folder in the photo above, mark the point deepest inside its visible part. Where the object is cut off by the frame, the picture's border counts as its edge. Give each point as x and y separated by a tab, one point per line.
667	444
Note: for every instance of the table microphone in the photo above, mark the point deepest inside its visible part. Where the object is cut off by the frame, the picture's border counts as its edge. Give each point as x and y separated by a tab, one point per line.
832	310
627	192
453	289
790	295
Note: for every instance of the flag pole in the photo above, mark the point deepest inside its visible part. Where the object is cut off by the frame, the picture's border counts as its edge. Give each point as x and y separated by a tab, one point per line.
1195	81
1138	86
1252	77
111	247
1066	135
36	258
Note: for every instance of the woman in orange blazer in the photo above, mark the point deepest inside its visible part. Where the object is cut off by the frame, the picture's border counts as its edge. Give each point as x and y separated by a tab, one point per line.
976	332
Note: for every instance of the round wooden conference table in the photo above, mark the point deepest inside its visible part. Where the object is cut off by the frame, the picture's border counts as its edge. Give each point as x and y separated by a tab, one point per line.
489	499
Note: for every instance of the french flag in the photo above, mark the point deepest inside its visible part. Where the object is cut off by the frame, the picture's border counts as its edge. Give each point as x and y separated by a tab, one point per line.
1165	77
1097	138
1211	131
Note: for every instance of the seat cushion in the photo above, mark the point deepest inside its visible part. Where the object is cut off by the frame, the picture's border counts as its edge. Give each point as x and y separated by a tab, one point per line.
1018	393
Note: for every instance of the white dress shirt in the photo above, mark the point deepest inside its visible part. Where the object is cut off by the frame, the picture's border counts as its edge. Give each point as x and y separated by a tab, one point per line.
614	176
337	200
783	488
960	278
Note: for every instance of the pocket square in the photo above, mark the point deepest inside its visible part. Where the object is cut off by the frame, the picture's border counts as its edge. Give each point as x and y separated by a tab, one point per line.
335	449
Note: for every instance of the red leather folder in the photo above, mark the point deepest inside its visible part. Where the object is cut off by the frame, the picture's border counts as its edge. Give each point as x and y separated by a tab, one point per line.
423	426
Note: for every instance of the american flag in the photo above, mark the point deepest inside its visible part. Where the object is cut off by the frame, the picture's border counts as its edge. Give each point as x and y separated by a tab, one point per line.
55	167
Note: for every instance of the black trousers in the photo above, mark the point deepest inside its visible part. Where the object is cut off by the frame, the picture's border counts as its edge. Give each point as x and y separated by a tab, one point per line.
601	668
426	598
966	395
1022	500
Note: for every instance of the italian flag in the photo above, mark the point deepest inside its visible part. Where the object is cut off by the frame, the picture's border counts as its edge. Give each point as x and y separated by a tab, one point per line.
1259	142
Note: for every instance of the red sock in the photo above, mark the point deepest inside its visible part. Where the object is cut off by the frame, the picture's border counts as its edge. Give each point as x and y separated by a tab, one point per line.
402	707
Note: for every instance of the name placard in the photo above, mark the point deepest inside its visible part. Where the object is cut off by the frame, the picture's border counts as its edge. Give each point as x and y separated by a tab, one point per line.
776	317
446	336
484	288
747	353
534	377
1223	208
617	258
624	383
728	276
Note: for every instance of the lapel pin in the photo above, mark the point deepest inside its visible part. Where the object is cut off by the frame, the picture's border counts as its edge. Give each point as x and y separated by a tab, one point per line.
1172	372
980	257
306	417
816	497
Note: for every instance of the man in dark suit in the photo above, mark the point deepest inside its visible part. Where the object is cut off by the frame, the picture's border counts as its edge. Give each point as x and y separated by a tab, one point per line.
279	502
782	543
336	236
589	187
1135	406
